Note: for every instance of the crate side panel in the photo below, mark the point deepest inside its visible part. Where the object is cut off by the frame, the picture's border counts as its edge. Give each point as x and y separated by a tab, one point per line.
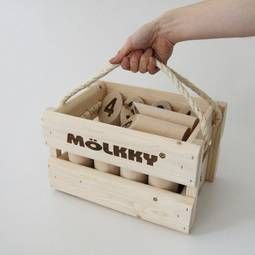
171	160
136	199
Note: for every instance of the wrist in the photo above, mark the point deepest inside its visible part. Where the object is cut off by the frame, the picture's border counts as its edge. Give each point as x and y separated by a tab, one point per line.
169	26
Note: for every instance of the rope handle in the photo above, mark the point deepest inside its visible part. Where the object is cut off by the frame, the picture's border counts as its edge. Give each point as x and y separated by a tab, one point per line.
181	84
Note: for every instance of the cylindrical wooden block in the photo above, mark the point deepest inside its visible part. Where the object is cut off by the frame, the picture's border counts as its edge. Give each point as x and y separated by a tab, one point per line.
134	176
158	127
111	108
162	184
131	100
185	110
107	168
125	114
163	104
80	160
175	117
163	128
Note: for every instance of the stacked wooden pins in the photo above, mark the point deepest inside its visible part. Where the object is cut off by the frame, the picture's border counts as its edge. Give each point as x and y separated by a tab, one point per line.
158	118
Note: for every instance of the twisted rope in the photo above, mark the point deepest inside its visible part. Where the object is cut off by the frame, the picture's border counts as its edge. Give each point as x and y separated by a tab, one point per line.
181	84
107	69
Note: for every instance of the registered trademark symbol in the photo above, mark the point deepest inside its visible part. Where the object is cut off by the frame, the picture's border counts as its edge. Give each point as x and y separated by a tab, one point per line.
162	155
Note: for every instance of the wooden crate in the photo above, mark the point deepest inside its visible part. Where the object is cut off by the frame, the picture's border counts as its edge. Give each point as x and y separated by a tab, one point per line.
187	163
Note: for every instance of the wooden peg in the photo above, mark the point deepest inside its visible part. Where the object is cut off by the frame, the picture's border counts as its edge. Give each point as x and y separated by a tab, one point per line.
175	117
163	104
185	110
111	108
162	184
158	127
134	176
107	168
80	160
126	113
131	100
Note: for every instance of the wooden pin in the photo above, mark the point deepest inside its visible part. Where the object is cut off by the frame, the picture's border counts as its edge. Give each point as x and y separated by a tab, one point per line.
185	110
162	184
163	105
125	114
159	127
131	100
162	114
132	175
80	160
111	108
107	168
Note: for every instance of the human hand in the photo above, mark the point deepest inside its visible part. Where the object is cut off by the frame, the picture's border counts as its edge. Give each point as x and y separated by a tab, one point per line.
141	49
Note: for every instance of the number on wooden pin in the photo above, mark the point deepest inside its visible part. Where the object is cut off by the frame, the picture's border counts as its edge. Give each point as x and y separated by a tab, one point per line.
111	108
163	105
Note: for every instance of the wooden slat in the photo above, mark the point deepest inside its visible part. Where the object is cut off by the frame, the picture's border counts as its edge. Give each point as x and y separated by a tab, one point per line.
177	161
140	200
214	149
190	190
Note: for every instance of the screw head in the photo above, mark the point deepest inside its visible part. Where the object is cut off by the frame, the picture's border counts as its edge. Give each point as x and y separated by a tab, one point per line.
162	155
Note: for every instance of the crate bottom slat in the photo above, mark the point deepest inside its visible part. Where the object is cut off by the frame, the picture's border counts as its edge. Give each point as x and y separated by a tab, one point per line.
158	206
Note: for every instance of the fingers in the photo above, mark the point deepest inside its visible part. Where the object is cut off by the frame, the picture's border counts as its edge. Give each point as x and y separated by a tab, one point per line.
124	51
152	68
144	60
135	60
140	61
125	63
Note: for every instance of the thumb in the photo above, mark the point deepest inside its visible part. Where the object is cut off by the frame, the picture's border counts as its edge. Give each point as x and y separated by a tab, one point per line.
124	51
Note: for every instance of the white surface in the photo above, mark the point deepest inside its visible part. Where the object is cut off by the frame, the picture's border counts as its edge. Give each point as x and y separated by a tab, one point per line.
48	47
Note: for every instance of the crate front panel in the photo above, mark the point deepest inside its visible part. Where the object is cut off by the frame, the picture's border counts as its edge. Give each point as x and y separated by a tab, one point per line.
150	154
136	199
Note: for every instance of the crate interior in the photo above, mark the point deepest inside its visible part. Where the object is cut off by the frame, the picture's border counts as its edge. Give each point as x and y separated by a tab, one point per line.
78	106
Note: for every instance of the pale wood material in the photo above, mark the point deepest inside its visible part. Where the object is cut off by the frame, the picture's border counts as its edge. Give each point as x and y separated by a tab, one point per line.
185	110
156	126
83	102
214	148
110	109
163	104
203	171
92	112
150	96
162	114
107	168
140	200
190	190
80	160
159	127
55	152
130	100
133	175
176	161
162	184
125	114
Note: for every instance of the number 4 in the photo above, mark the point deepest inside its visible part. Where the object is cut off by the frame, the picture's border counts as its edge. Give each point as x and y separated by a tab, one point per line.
109	108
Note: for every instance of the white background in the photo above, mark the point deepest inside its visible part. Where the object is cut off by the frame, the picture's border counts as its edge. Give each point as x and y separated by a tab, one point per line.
46	49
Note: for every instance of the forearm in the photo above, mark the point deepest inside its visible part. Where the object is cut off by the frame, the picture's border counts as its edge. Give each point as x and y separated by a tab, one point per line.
209	19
